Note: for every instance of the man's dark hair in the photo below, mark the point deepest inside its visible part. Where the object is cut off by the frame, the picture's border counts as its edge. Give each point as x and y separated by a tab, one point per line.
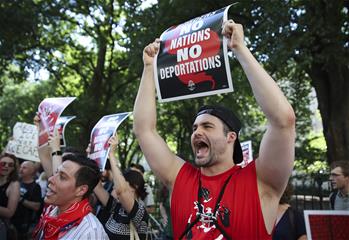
88	172
138	166
230	123
72	150
344	165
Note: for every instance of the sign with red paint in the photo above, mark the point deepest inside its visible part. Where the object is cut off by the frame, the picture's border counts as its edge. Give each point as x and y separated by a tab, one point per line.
193	60
49	111
60	125
100	134
327	224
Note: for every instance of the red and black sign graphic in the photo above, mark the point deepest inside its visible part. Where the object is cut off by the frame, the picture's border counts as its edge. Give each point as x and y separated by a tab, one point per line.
49	110
192	60
100	134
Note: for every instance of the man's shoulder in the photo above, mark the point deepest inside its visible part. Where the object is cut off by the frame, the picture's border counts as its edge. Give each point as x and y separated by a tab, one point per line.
187	176
30	185
91	220
89	227
189	167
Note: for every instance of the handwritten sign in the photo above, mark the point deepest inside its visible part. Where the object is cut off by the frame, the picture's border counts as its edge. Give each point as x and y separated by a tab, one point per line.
24	143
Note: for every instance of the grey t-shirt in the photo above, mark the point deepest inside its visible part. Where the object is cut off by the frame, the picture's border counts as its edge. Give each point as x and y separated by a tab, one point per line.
341	202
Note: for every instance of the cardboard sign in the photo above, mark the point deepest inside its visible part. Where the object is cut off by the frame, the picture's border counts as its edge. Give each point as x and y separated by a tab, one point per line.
49	110
100	134
247	154
24	143
192	59
327	224
60	125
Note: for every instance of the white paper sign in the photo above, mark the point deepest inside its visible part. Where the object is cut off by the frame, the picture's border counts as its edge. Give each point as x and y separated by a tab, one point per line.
25	142
246	153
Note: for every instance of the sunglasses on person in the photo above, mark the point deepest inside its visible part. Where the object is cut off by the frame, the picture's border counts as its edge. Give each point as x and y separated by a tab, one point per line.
9	164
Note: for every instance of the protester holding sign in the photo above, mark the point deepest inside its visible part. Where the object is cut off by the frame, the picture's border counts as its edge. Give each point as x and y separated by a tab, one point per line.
124	214
221	199
68	214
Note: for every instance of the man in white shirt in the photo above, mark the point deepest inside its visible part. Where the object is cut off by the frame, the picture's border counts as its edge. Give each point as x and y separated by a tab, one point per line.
68	214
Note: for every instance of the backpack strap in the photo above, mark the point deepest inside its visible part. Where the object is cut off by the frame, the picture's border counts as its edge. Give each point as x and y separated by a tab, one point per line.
333	198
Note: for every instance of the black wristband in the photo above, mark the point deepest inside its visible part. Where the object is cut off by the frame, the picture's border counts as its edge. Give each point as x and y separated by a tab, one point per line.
58	153
22	200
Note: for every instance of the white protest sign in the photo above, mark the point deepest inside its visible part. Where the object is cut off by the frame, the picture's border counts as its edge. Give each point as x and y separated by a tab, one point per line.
247	154
25	142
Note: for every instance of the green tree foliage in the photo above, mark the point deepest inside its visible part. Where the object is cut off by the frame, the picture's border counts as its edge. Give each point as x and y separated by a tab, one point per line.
93	50
80	45
19	21
177	116
314	35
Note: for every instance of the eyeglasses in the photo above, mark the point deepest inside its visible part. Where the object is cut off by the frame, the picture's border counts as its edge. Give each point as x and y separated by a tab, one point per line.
9	164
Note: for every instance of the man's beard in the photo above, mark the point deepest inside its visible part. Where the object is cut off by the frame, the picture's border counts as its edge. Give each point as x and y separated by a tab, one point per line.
207	163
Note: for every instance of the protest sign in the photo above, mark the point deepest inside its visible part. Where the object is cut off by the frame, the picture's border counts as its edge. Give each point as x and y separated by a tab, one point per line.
327	224
60	125
247	154
192	60
24	143
100	134
49	110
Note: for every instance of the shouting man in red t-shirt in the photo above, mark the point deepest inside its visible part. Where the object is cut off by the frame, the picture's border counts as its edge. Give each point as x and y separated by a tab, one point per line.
219	199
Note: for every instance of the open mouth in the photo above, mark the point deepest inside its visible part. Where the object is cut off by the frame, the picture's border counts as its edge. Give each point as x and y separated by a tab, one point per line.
201	148
49	192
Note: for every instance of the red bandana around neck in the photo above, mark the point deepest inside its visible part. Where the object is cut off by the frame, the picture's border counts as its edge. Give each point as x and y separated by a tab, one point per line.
52	227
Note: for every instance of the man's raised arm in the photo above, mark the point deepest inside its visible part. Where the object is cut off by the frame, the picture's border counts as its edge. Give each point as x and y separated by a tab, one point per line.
49	163
276	153
162	161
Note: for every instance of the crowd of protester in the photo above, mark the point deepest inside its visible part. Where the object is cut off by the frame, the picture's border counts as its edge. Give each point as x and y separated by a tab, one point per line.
26	191
23	185
65	196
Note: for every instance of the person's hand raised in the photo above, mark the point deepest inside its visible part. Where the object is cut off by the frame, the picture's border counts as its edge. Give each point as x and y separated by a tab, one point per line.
37	120
54	141
235	34
150	51
88	149
113	143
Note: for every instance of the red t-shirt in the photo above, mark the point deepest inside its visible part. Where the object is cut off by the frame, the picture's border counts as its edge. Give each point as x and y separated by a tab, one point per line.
239	213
